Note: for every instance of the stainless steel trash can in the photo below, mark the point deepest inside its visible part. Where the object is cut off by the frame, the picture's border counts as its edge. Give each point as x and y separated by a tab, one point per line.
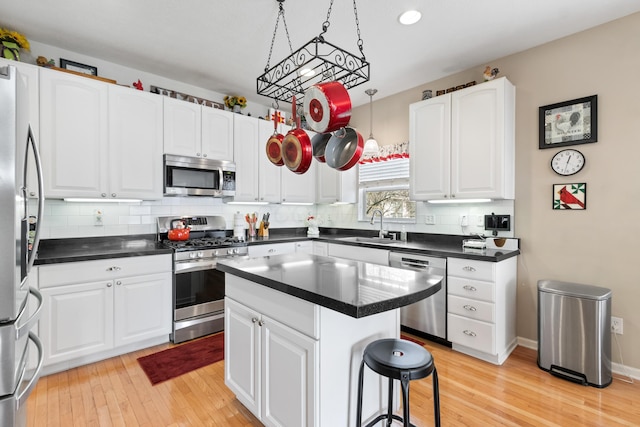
574	332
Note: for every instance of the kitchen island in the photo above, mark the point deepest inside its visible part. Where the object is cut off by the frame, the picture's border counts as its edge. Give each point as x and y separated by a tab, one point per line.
295	329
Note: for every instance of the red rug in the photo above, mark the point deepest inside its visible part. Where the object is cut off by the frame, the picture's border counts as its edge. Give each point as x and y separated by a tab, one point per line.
179	360
408	338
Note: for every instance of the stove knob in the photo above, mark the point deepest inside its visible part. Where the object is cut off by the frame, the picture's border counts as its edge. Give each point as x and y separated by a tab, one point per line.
200	254
230	251
193	255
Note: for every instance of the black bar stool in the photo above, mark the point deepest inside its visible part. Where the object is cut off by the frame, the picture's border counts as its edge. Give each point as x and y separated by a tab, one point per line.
402	360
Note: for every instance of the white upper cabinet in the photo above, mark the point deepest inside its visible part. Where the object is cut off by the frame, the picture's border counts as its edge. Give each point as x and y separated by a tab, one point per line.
299	188
135	143
194	130
268	173
246	134
463	144
334	186
98	139
74	135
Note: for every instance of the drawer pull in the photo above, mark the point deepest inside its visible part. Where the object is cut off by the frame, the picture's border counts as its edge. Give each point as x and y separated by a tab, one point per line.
468	268
261	323
254	319
271	251
469	307
469	288
109	285
115	268
469	333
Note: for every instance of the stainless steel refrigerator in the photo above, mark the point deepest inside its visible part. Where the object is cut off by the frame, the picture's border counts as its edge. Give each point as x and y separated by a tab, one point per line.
18	149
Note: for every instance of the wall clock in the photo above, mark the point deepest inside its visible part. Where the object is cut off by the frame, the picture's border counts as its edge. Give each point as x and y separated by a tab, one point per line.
567	162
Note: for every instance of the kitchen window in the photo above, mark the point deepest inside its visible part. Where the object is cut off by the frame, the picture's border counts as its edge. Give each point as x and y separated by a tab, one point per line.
385	185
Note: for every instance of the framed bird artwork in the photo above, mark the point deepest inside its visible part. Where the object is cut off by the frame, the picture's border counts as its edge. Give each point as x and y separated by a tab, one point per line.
570	196
569	123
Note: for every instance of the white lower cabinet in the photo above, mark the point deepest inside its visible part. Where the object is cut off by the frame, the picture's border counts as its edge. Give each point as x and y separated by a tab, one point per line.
93	308
359	253
275	378
481	319
271	249
277	346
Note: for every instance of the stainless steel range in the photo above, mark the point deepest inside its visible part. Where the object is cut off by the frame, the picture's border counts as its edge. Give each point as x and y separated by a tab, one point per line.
198	288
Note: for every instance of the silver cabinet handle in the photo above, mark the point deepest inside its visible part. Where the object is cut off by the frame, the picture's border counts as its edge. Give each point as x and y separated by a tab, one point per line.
261	322
204	155
469	333
271	251
104	194
110	284
469	288
120	283
468	268
254	319
113	194
469	307
198	154
114	268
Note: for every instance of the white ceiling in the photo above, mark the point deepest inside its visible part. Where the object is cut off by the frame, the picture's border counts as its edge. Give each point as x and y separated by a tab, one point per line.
223	45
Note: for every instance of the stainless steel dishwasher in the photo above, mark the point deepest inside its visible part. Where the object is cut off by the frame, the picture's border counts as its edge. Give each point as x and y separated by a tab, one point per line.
429	316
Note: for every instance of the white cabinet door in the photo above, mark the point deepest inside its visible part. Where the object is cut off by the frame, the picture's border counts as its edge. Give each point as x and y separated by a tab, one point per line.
289	376
334	186
135	144
482	134
77	320
371	255
182	128
217	134
242	354
269	174
305	247
299	188
142	307
463	144
430	149
73	135
245	153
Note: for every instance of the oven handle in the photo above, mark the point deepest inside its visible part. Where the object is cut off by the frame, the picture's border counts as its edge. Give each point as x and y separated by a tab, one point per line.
189	267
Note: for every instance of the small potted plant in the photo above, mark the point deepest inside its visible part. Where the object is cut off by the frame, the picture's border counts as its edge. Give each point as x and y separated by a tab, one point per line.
10	44
312	224
235	103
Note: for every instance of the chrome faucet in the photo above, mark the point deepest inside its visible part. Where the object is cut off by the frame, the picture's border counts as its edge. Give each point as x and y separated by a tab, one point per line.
378	211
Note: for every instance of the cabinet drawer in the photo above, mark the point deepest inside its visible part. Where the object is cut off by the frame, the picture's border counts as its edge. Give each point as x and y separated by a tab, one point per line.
473	309
475	289
478	270
271	249
471	333
104	269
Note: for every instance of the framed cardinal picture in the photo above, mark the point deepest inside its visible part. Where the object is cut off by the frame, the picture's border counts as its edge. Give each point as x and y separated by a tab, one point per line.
569	123
570	196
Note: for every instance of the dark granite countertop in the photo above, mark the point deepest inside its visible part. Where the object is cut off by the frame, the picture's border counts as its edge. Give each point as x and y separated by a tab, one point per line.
354	288
421	243
53	251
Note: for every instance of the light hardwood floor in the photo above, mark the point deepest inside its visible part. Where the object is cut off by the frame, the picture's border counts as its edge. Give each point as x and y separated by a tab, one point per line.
116	392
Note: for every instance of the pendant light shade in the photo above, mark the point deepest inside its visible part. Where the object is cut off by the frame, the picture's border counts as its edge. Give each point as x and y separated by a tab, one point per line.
371	146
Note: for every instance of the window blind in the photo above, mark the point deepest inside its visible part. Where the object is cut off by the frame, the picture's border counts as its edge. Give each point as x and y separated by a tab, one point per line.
384	171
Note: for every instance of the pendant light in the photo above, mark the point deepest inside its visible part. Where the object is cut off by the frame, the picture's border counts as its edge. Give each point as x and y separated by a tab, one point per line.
371	146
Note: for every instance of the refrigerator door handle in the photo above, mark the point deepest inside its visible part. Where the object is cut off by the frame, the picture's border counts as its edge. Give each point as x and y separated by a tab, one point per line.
24	395
26	326
31	141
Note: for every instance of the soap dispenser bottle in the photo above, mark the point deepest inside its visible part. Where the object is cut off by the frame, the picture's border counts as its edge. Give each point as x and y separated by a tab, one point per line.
403	234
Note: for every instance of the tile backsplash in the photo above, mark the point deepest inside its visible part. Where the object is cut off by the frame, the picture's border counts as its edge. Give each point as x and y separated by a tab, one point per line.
71	219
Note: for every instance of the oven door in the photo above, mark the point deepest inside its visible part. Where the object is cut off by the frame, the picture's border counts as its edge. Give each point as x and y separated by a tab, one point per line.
198	300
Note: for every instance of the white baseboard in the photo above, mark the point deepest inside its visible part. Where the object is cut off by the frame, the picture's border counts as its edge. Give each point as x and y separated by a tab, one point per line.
616	368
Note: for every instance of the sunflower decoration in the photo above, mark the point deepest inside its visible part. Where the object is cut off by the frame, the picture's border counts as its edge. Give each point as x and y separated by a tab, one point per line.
231	101
11	42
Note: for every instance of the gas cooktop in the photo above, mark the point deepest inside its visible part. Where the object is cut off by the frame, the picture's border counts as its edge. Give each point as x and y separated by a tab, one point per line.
203	243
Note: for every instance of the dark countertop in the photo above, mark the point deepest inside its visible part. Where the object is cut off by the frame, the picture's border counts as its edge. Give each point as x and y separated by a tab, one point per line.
420	243
354	288
53	251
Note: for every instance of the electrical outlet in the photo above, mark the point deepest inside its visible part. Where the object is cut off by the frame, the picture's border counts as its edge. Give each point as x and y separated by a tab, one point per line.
617	325
98	217
464	220
480	220
430	219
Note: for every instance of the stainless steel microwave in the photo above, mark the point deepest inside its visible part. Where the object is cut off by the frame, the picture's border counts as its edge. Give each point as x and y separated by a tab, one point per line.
192	176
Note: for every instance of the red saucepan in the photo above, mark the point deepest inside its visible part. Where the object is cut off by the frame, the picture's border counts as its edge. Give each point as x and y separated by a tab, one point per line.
327	107
296	147
178	231
319	144
344	149
274	144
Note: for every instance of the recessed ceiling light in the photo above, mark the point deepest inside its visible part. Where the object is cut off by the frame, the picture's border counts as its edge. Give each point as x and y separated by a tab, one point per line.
410	17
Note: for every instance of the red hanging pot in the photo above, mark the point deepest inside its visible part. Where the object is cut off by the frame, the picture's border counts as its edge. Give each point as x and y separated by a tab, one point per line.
327	107
274	145
319	144
296	147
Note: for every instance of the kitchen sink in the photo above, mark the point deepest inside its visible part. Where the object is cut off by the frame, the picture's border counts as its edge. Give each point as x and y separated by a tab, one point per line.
377	240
